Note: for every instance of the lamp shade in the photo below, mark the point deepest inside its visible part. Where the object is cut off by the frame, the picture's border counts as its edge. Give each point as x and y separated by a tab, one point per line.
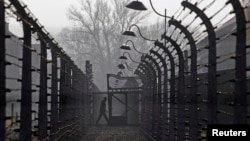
119	73
123	58
136	5
128	33
121	66
125	47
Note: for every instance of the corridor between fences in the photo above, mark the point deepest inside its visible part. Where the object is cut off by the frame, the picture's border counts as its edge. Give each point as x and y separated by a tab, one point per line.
197	74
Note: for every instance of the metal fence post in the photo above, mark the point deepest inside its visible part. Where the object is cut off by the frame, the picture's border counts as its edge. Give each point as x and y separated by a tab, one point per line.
75	100
84	107
148	101
154	92
144	83
62	90
172	90
54	95
90	104
181	90
2	71
144	78
68	97
80	88
26	92
240	87
42	112
212	80
156	101
165	96
193	123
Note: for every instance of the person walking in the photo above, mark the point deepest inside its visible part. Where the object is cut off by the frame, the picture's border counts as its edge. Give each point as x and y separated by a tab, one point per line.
103	111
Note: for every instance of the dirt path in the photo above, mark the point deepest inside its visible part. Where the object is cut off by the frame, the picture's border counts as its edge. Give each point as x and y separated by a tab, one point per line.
105	133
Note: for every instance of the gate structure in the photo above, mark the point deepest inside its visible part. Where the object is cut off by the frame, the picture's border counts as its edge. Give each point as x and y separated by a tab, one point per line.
124	98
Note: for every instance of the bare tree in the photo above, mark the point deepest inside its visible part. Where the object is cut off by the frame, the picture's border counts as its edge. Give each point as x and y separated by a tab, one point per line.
96	34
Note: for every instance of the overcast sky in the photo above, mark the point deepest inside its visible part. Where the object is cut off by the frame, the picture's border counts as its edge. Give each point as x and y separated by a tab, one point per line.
52	13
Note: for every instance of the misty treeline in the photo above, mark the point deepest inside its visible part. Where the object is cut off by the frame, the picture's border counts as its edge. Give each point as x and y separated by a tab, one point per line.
96	35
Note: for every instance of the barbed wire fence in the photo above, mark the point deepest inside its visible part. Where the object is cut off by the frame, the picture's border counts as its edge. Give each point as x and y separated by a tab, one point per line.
214	38
44	95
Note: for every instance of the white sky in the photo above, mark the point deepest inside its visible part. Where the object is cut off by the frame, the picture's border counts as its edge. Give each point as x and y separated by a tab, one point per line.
52	13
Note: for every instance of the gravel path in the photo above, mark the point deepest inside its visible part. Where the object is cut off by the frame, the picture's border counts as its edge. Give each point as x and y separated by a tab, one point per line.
106	133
